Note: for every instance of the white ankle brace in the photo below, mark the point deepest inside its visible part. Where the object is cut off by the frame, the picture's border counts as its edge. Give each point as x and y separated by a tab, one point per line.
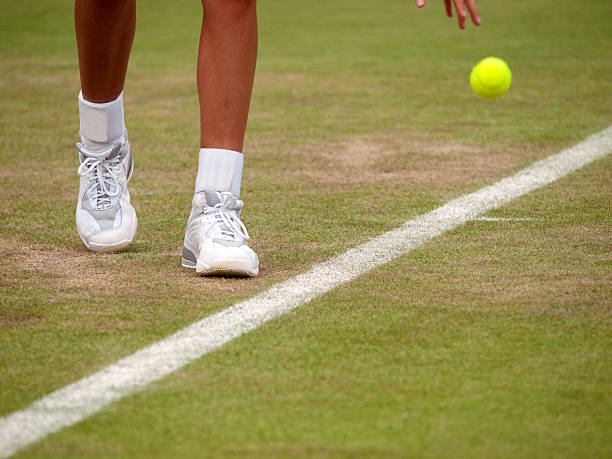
101	123
219	170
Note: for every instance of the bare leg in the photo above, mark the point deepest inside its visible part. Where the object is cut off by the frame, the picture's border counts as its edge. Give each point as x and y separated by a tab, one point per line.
104	32
226	67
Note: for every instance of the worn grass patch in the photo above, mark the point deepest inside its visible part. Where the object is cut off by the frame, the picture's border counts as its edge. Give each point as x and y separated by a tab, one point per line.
406	157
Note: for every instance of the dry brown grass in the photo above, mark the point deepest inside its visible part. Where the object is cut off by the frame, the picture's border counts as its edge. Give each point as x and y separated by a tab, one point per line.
406	157
74	272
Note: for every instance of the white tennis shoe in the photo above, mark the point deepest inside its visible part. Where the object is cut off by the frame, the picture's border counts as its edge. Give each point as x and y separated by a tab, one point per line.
105	219
215	239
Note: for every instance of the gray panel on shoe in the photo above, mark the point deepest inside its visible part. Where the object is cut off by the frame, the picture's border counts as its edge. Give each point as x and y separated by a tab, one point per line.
188	255
105	217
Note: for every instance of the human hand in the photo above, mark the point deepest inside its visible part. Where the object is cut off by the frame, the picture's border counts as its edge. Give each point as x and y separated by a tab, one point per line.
460	6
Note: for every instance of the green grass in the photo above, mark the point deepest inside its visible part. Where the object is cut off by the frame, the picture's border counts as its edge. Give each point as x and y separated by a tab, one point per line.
491	340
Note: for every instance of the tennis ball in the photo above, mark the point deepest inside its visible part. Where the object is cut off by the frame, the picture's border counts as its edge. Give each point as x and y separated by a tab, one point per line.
491	78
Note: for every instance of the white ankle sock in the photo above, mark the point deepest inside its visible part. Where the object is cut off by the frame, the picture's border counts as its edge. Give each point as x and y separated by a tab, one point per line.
101	123
219	170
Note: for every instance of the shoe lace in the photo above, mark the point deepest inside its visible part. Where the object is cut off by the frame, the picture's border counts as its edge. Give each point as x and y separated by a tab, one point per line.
100	166
226	214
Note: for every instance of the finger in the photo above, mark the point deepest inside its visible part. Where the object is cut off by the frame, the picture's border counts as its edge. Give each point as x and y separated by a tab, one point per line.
420	3
471	6
449	8
460	7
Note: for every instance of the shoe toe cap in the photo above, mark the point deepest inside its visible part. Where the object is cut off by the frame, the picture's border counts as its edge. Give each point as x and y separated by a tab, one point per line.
106	240
217	257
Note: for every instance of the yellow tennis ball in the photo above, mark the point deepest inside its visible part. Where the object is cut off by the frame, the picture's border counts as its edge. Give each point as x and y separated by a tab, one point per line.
491	78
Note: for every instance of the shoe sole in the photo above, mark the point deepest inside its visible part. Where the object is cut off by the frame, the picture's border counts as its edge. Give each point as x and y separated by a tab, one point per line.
226	272
115	247
230	268
221	271
226	267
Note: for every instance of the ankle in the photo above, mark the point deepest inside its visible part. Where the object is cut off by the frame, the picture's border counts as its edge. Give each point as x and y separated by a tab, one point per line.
219	170
101	123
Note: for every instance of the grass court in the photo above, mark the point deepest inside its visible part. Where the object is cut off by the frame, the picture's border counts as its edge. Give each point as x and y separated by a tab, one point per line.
491	340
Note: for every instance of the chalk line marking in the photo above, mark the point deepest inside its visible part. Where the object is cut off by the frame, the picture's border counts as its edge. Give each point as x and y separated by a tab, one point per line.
91	394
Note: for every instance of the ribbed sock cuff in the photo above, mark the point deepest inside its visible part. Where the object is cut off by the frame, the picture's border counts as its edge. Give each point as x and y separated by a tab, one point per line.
101	123
219	170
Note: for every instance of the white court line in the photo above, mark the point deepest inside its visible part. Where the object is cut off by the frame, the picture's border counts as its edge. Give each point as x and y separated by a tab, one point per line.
91	394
